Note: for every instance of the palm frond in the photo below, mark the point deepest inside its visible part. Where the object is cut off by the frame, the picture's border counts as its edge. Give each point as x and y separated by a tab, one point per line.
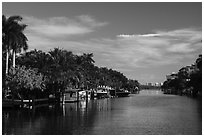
15	18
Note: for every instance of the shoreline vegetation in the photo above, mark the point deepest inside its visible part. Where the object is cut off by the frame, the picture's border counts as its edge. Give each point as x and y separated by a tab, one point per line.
187	81
37	74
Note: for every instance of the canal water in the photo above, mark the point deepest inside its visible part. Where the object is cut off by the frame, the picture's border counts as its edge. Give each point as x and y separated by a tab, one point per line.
149	112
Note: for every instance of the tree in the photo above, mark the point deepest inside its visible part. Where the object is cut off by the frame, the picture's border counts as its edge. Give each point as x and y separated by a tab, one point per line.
64	69
85	65
13	37
35	59
196	77
25	79
133	86
189	80
199	62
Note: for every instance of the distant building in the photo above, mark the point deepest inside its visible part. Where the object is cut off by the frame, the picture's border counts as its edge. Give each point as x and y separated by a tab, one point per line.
156	84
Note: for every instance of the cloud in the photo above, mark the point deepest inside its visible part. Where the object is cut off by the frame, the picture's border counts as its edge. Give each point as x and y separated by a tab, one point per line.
125	52
86	19
136	35
162	47
62	26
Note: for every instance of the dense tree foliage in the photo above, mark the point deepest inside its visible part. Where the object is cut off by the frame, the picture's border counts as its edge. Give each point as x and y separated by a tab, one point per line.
52	71
196	78
22	80
188	80
21	77
63	69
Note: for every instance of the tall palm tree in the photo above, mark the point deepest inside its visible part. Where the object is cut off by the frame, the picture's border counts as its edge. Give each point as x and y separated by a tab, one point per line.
13	37
19	45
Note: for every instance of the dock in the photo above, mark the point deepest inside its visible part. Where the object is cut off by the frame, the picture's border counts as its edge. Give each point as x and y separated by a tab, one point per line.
8	103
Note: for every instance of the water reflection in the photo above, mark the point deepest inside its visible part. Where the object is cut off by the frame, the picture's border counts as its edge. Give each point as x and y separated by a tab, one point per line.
147	113
70	118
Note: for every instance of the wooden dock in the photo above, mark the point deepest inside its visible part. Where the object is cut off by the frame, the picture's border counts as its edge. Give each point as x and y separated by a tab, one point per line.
8	103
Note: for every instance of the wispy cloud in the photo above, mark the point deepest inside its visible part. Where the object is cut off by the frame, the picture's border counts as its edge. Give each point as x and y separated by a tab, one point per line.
162	47
125	52
62	26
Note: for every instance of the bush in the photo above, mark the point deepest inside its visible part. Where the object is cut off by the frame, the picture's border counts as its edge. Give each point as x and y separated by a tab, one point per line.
25	78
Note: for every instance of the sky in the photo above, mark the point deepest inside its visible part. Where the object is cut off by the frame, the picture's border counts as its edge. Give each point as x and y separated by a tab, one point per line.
144	41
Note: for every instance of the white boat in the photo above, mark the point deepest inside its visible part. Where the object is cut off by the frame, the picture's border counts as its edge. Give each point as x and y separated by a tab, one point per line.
102	93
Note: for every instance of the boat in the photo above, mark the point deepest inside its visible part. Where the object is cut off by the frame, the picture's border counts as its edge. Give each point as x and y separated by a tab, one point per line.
119	92
102	93
123	94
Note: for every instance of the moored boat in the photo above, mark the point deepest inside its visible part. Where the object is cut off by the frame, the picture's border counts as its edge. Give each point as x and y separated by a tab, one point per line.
122	94
119	93
102	93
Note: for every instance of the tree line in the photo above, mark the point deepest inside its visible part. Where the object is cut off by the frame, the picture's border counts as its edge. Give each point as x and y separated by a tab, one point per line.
40	73
188	80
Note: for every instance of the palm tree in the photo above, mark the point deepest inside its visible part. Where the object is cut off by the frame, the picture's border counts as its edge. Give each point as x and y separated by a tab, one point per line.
13	37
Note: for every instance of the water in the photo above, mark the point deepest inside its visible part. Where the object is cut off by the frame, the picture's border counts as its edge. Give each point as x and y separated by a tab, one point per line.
149	112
